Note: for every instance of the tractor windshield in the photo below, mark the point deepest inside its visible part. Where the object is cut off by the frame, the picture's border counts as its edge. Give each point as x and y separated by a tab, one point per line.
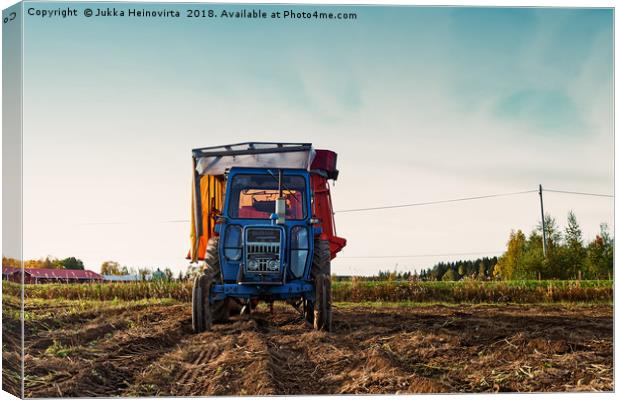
254	196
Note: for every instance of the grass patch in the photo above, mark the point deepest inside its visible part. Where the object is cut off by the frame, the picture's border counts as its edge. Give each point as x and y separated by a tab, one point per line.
35	310
411	304
357	290
470	291
58	350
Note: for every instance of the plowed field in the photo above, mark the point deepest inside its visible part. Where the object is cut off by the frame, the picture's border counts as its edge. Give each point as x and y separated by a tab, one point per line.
140	348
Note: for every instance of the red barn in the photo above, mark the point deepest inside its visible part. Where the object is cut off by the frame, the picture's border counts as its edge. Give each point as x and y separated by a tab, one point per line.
42	275
7	272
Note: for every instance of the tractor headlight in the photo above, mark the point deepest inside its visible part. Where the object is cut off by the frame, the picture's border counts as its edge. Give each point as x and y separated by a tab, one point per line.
252	265
299	250
232	243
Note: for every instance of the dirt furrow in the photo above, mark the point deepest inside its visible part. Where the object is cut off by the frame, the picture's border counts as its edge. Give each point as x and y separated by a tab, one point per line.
372	350
288	363
112	368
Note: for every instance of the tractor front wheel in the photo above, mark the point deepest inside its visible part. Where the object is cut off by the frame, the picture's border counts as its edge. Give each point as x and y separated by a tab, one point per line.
201	309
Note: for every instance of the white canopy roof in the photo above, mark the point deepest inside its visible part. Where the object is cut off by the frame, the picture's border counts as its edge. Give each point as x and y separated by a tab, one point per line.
216	160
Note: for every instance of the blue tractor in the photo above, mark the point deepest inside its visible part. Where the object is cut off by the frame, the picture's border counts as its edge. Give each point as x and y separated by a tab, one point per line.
262	222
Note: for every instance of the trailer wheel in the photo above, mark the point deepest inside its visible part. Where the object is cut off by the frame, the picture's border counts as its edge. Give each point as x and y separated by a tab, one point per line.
321	308
220	308
201	309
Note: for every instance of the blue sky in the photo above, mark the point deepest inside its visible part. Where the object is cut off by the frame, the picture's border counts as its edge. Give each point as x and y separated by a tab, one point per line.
420	103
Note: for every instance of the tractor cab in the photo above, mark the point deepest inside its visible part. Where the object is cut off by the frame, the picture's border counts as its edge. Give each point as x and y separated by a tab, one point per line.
262	222
265	226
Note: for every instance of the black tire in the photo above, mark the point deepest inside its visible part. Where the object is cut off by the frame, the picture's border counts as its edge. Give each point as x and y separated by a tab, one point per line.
201	310
220	308
212	260
321	259
323	303
309	311
321	308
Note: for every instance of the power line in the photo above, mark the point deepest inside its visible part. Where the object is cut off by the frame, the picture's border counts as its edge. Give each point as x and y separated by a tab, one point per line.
426	203
170	221
424	255
434	202
579	193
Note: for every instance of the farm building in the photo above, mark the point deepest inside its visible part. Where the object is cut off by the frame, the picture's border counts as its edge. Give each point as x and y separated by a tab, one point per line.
121	278
42	275
8	271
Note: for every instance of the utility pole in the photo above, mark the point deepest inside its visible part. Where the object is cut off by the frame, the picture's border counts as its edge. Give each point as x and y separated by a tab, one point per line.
544	228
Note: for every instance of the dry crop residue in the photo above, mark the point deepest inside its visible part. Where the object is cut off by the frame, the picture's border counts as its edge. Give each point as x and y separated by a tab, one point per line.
433	349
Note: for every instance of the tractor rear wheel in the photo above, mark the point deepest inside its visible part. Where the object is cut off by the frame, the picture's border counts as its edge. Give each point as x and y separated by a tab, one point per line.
323	303
220	308
321	259
201	309
321	308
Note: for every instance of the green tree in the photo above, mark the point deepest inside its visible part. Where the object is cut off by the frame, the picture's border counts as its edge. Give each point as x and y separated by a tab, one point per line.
450	275
600	255
557	264
533	263
608	253
552	233
482	270
461	270
554	264
168	273
72	263
575	252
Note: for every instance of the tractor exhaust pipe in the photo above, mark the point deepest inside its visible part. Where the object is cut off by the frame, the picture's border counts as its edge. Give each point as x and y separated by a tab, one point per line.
280	202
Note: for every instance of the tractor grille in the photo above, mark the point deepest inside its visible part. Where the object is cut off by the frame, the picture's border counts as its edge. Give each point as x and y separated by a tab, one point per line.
260	248
262	251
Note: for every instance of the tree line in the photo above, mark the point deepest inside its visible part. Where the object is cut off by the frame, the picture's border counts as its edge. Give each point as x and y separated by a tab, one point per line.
480	268
45	263
568	256
107	267
114	268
